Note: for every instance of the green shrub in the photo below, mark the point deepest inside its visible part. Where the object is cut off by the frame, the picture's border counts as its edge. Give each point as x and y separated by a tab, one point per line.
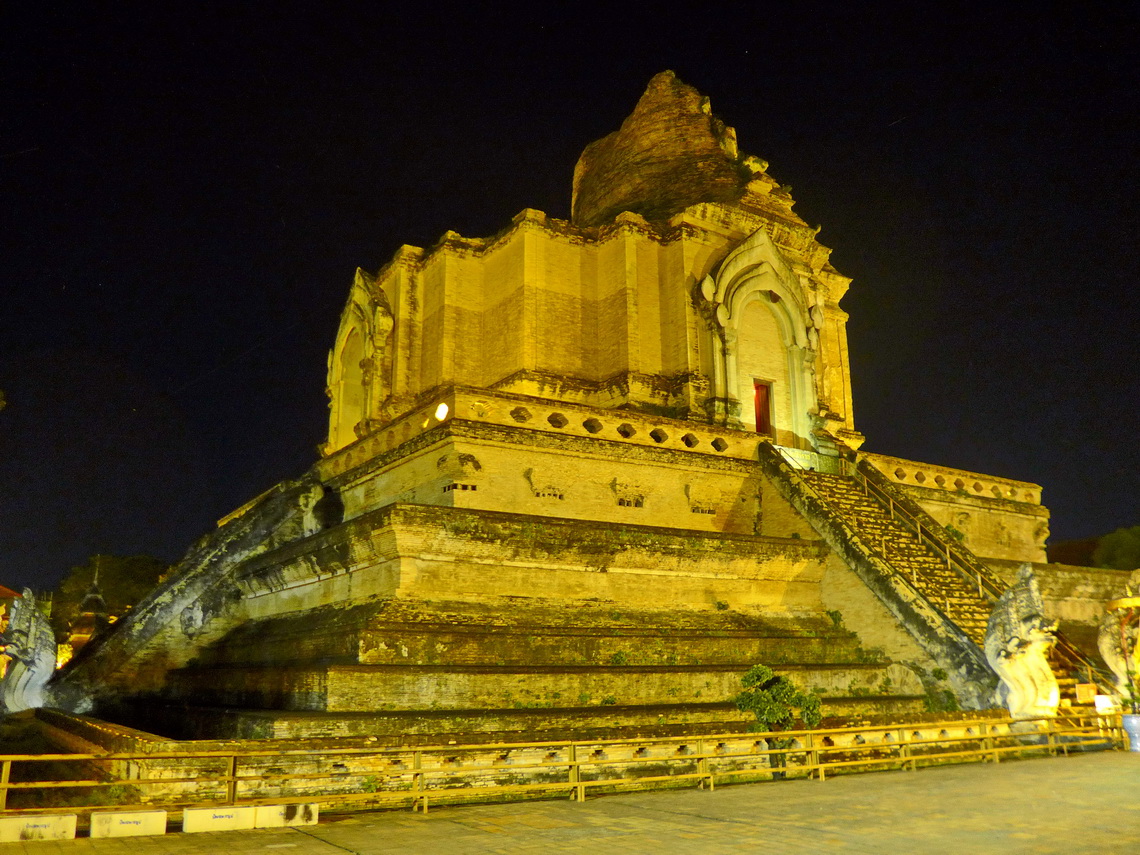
871	655
775	701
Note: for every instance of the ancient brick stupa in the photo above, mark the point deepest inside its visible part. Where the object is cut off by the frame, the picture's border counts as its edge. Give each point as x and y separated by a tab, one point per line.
579	477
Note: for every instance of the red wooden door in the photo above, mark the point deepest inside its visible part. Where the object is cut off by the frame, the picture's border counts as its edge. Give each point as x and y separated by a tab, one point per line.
763	399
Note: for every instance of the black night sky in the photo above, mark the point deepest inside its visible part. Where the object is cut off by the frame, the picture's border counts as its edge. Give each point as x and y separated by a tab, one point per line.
184	196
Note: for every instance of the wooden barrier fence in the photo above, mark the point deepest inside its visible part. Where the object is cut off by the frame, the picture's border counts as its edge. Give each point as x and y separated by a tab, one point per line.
359	778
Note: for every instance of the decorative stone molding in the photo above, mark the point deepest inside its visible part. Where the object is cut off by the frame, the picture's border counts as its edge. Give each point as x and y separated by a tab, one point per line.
754	271
629	495
952	480
459	467
703	498
544	485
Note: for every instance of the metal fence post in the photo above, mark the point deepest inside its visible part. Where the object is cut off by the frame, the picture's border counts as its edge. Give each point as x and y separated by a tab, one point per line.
419	795
576	774
993	746
5	774
813	757
231	780
703	765
904	751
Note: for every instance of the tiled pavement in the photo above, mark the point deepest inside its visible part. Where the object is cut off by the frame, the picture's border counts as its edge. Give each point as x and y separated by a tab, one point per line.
1079	804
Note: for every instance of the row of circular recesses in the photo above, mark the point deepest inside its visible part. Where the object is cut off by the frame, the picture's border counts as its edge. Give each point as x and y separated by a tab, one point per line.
959	484
624	430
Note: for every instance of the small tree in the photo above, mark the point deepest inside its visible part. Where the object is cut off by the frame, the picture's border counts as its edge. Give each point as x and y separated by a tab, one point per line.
1119	550
775	701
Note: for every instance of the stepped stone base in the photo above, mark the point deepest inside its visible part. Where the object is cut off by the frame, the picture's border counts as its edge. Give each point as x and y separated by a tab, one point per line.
402	669
535	631
413	619
412	727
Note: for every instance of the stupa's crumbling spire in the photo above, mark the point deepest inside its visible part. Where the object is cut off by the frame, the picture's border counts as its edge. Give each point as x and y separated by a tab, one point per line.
670	153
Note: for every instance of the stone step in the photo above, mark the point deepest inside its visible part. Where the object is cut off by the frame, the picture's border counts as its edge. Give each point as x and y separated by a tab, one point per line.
359	688
474	726
967	618
434	645
393	633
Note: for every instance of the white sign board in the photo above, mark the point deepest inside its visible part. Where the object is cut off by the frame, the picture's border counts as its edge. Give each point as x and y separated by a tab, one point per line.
1106	704
276	816
217	819
128	823
13	829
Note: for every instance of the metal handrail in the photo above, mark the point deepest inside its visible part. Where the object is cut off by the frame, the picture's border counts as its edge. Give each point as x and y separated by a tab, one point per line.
883	498
969	568
423	772
819	497
960	559
865	543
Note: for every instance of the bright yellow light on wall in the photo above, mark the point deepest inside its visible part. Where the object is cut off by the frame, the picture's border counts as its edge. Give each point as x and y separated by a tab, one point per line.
63	655
441	412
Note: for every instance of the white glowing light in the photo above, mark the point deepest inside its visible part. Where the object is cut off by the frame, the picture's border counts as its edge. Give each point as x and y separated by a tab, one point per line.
441	412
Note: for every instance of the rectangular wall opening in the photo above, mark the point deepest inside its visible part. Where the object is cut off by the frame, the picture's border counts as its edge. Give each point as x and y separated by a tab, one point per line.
763	403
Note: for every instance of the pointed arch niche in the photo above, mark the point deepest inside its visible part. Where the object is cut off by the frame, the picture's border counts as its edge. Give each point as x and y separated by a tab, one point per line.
360	364
346	389
764	341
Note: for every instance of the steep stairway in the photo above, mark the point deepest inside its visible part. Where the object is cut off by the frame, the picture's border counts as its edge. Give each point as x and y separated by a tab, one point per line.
929	572
861	512
901	548
903	556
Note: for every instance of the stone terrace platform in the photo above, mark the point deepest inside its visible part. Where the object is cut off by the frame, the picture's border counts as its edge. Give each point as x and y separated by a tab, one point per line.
1089	803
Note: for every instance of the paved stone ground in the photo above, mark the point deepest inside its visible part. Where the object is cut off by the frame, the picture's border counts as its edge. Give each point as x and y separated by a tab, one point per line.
1089	803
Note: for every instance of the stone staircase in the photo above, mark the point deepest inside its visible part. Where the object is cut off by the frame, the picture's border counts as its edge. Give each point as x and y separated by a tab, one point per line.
908	573
928	572
901	548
